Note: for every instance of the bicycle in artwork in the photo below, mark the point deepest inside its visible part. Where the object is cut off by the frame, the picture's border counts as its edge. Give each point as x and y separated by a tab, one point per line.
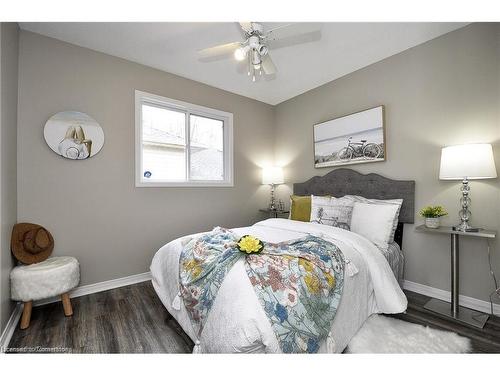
361	149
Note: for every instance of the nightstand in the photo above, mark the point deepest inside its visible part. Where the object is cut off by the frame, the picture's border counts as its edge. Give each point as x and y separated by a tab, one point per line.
274	213
454	310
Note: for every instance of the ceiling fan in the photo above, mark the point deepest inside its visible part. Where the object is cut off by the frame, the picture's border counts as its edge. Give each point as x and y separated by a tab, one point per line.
257	43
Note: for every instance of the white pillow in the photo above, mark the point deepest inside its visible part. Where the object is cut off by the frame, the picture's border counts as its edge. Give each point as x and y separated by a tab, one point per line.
374	221
331	211
398	202
319	205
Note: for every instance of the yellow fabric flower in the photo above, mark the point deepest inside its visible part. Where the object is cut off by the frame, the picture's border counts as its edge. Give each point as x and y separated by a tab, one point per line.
193	267
250	244
330	280
308	266
313	283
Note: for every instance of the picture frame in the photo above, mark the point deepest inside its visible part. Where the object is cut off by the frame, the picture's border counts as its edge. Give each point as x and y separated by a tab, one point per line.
73	135
355	138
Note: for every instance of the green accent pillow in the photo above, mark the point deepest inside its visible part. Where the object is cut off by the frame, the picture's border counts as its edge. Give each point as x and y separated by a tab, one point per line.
300	207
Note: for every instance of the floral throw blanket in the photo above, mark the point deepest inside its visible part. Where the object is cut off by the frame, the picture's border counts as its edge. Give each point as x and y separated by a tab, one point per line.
298	283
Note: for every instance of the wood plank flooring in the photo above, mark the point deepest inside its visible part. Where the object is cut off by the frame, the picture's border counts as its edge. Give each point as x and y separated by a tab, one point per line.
132	319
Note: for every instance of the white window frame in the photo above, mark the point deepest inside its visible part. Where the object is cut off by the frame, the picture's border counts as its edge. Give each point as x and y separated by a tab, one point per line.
142	97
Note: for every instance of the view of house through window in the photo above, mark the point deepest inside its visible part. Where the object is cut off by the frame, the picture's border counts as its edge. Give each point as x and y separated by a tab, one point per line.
207	146
180	146
163	144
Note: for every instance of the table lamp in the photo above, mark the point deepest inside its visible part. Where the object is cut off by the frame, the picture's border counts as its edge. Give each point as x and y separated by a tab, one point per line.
272	176
467	162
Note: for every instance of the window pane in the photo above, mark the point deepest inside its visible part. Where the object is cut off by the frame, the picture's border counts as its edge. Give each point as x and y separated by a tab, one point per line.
207	148
163	144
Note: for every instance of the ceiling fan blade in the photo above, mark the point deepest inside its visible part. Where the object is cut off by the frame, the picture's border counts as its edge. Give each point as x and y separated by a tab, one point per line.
293	40
268	65
223	50
292	29
246	26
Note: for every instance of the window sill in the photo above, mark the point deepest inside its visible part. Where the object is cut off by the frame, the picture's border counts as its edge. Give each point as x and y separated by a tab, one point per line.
183	184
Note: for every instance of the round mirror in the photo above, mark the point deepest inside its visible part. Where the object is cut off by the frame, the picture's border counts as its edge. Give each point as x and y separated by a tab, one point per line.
74	135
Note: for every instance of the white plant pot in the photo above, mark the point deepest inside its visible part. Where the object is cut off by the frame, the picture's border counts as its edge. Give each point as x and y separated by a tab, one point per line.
432	222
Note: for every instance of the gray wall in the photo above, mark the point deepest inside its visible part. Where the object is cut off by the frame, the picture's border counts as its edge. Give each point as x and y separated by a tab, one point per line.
92	207
443	92
9	36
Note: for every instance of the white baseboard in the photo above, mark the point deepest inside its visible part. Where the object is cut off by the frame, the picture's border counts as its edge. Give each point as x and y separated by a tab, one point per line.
77	292
472	303
10	327
99	287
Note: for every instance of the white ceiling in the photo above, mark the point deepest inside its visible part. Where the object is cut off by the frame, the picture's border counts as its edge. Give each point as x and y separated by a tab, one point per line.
172	47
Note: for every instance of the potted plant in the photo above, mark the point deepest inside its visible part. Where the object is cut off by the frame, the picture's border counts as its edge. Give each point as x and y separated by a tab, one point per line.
432	215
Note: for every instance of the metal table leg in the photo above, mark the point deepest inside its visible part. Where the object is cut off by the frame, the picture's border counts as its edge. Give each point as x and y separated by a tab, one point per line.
454	310
454	275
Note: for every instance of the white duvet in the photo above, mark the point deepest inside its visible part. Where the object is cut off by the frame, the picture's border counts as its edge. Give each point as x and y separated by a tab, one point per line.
238	324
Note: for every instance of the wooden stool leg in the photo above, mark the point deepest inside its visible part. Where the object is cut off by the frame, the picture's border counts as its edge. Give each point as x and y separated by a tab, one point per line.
68	310
25	319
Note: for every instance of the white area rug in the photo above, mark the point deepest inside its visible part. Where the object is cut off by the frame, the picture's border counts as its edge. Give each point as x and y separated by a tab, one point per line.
381	334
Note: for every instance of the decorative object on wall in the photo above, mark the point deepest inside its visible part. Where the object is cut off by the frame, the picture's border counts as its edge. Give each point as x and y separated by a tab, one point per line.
272	176
432	215
73	135
467	162
352	139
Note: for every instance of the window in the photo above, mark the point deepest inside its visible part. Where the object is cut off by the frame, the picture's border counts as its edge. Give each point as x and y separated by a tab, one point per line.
181	144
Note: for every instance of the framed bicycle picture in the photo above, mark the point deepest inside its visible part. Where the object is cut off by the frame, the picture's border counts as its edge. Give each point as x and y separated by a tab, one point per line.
351	139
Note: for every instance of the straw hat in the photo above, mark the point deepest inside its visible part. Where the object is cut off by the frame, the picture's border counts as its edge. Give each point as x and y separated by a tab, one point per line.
31	243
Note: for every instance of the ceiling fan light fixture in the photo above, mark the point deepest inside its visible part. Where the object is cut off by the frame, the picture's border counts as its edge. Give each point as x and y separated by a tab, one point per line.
263	50
239	54
255	58
255	48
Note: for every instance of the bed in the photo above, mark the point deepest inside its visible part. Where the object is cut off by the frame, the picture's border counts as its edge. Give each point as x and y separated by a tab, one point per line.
237	322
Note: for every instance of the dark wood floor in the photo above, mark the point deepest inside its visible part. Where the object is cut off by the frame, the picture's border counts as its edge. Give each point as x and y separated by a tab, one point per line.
132	319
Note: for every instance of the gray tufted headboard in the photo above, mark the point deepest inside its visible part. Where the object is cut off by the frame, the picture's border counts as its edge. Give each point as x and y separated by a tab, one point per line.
343	181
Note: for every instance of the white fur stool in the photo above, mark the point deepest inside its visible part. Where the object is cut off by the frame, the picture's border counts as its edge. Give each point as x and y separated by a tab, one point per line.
52	277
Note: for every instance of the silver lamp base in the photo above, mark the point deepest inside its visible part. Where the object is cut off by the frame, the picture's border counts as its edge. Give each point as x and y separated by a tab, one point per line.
272	202
464	213
461	228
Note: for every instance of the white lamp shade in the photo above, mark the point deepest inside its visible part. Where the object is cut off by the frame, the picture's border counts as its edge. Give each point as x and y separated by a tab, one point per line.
272	175
473	161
